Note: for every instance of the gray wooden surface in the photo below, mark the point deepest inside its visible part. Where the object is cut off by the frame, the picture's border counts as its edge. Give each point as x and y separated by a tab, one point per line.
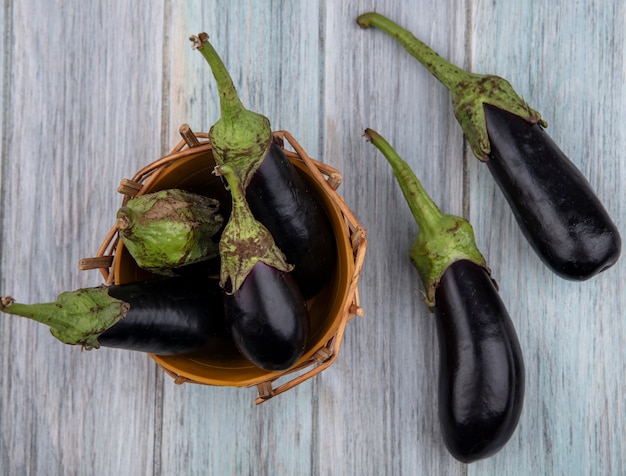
92	91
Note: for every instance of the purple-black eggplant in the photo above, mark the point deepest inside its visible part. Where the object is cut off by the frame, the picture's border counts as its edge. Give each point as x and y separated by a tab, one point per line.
481	371
277	194
165	316
264	308
268	320
560	215
281	200
554	205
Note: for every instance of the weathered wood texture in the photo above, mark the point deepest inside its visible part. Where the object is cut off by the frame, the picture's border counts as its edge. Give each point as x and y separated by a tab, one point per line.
92	91
568	62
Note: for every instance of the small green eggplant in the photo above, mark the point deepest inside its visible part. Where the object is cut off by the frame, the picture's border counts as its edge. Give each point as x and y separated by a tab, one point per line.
169	229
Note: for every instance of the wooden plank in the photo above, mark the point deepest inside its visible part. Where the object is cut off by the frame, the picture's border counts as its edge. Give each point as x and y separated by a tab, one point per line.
5	28
85	111
5	68
378	404
272	52
210	430
567	60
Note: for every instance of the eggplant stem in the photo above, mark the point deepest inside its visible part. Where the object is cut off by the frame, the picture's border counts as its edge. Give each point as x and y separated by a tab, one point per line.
442	238
240	137
76	317
244	241
230	104
448	73
470	91
45	312
234	186
425	211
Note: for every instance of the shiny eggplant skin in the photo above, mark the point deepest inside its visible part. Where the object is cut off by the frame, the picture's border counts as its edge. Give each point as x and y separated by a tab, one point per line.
268	319
481	375
281	200
553	203
167	316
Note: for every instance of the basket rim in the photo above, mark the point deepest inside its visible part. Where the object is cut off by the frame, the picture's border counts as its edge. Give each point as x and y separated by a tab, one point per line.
329	177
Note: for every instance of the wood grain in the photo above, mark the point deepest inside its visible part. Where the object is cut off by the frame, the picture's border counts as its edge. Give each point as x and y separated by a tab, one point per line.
91	92
82	114
389	365
566	63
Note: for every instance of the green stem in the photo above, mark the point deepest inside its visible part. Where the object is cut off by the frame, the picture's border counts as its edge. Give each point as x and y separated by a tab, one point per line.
423	208
244	241
449	74
470	91
45	312
230	104
76	317
442	238
239	137
239	203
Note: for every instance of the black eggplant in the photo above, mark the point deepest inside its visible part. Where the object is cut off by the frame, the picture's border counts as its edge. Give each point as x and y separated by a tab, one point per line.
555	206
276	192
165	316
481	373
558	212
268	319
264	308
281	200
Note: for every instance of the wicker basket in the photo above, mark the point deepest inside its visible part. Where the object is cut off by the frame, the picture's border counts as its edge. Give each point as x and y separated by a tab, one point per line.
189	165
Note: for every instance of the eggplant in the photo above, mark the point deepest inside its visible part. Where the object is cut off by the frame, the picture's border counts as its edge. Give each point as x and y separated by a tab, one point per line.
556	208
481	371
268	318
165	316
264	309
554	205
277	194
170	229
281	200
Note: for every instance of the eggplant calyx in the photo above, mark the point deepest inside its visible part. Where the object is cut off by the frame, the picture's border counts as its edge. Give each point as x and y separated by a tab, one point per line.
76	317
469	91
169	228
244	241
239	137
432	254
442	239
